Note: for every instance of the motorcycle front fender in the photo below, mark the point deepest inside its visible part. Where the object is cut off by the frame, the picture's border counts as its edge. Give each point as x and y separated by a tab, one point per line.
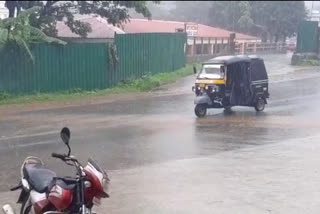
203	99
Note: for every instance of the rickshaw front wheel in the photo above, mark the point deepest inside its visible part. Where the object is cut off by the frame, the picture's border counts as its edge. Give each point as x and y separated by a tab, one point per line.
200	110
260	104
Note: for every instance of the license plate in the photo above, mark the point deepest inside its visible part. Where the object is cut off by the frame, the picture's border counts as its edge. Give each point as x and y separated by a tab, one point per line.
202	85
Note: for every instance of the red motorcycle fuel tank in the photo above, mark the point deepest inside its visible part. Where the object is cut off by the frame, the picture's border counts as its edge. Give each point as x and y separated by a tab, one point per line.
60	198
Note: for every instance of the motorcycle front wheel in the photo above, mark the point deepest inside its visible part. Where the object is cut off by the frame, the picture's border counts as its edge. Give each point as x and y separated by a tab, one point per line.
26	207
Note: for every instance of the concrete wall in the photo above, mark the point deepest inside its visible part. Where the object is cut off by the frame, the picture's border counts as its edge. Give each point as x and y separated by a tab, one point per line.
4	13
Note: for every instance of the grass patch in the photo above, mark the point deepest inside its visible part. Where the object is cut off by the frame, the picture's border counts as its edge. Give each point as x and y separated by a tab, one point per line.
309	62
143	84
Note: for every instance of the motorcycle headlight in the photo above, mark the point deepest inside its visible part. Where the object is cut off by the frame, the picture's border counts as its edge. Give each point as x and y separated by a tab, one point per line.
87	184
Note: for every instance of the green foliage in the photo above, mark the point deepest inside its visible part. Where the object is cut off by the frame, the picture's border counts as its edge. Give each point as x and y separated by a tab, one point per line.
190	11
149	82
17	32
279	18
233	15
4	95
310	62
113	56
116	12
273	20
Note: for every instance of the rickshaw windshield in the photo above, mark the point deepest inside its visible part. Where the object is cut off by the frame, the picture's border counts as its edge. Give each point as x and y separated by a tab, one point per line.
214	71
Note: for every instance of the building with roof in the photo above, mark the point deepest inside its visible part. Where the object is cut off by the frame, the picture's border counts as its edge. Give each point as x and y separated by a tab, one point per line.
202	39
102	31
152	26
314	15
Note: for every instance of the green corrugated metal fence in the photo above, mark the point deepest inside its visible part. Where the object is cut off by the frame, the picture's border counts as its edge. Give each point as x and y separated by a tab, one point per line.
55	68
141	54
308	36
88	66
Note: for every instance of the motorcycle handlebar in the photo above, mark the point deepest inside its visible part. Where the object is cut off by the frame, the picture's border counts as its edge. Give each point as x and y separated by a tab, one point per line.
55	155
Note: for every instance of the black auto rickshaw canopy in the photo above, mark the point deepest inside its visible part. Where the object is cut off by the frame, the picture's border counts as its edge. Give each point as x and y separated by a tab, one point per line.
257	69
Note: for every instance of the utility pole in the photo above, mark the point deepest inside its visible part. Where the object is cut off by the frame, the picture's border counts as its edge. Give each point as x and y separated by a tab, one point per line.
233	8
311	11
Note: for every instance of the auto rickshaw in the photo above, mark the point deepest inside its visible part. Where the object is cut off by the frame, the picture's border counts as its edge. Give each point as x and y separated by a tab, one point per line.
227	81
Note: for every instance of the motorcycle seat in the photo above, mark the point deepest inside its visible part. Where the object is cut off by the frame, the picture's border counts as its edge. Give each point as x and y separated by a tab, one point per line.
38	177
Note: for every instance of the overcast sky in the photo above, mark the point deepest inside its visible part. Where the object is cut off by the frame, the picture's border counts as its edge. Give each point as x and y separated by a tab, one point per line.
316	4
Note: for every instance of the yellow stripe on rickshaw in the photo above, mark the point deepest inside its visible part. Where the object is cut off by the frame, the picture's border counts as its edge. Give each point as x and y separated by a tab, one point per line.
211	81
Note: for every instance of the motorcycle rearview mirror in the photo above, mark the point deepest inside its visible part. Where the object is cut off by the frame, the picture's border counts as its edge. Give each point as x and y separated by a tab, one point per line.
65	136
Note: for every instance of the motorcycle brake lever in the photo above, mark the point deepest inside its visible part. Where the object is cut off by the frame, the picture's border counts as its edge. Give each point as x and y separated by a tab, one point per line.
70	164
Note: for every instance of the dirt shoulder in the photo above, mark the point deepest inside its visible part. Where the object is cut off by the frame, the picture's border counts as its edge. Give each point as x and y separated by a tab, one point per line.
81	101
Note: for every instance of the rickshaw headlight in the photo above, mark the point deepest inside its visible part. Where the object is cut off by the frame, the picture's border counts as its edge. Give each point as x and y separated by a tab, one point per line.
207	87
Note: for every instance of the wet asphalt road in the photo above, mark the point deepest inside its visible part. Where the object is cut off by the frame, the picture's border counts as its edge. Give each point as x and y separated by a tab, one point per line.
161	129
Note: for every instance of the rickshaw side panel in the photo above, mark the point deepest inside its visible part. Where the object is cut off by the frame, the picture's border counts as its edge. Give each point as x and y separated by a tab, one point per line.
259	80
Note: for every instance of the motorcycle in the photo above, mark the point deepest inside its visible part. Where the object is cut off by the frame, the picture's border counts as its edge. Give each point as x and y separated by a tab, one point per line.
42	192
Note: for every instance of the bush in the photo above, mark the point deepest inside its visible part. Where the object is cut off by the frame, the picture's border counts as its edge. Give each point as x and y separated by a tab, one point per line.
4	95
75	90
310	62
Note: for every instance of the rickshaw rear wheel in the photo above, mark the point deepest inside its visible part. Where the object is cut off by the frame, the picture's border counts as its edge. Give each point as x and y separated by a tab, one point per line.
227	109
260	104
200	110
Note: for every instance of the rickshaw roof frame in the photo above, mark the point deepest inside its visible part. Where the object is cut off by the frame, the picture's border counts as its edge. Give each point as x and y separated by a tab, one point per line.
228	60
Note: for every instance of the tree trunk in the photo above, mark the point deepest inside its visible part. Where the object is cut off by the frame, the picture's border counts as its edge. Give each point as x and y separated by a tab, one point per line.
264	37
284	38
11	6
270	37
18	9
276	38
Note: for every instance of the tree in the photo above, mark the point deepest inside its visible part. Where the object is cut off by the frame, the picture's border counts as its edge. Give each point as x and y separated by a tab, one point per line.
17	32
273	19
159	11
191	11
232	15
116	13
279	18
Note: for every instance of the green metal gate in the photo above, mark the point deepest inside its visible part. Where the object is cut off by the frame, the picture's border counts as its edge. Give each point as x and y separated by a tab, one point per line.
308	36
149	53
